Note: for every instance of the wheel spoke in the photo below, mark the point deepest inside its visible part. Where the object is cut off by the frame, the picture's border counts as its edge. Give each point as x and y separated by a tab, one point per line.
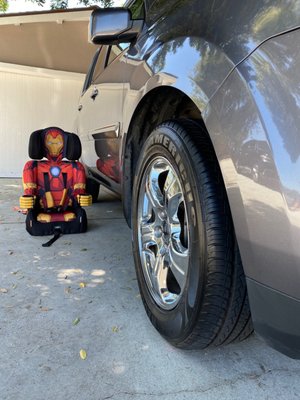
147	209
173	205
153	191
173	195
149	262
176	239
179	261
159	276
147	235
172	186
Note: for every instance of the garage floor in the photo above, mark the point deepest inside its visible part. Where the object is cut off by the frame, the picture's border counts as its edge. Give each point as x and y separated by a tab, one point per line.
81	293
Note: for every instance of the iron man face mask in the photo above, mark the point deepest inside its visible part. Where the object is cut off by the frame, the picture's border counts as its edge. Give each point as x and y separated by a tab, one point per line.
54	143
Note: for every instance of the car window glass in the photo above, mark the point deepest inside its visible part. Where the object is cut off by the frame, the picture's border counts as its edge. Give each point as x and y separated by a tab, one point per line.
100	65
88	76
123	46
115	51
104	60
137	9
158	8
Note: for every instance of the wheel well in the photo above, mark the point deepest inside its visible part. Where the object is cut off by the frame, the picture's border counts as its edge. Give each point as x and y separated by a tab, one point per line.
159	105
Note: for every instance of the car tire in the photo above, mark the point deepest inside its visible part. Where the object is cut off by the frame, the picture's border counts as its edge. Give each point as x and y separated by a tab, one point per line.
186	255
92	188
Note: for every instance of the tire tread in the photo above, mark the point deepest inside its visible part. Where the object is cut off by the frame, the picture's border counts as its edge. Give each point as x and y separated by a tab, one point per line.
226	308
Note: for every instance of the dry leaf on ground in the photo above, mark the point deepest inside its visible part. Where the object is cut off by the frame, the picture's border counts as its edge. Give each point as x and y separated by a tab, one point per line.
82	354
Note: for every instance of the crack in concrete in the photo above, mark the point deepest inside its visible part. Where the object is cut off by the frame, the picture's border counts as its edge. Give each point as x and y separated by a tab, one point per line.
226	382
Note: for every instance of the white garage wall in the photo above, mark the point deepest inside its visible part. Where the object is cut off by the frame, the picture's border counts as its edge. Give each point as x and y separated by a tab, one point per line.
31	99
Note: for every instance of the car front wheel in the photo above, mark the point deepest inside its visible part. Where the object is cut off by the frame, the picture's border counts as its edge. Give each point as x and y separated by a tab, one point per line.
187	261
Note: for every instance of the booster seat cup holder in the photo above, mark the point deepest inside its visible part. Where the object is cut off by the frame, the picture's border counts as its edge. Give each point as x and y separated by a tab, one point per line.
54	184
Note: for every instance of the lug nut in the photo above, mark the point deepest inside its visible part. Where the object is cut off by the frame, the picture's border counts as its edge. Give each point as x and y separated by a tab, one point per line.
158	232
163	215
163	251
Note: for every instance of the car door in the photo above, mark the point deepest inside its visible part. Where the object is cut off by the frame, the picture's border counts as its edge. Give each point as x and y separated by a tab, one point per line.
101	113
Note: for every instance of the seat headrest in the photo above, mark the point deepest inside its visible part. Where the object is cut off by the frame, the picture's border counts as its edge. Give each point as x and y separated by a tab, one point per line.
54	143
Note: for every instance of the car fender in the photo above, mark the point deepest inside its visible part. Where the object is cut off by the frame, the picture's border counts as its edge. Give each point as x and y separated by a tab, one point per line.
259	103
189	64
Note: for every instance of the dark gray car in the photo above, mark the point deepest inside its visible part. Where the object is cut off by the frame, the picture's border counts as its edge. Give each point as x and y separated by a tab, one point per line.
190	110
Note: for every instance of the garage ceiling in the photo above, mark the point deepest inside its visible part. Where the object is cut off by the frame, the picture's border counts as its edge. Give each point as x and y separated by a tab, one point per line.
55	39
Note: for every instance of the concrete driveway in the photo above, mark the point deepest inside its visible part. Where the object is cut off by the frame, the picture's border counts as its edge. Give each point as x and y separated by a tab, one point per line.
81	293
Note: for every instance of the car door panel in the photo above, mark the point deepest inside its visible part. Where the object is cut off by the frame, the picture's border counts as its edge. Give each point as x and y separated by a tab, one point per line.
106	109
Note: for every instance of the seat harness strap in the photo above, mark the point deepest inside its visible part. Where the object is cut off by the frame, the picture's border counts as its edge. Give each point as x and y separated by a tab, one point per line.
48	194
57	234
49	197
65	192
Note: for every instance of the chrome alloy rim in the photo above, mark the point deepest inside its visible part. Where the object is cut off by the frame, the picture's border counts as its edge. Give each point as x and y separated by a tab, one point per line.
163	232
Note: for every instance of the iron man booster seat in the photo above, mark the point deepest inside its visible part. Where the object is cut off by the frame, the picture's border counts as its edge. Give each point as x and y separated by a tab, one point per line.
54	184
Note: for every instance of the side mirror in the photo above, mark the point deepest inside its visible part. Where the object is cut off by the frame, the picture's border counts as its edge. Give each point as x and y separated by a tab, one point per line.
113	26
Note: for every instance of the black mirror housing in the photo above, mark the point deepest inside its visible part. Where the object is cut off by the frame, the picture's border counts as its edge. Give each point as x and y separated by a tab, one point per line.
112	26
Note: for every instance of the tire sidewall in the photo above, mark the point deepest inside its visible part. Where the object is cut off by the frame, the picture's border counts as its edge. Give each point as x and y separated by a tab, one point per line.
175	324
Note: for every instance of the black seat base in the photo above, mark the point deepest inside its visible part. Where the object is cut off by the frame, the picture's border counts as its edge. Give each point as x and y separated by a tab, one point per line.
36	228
